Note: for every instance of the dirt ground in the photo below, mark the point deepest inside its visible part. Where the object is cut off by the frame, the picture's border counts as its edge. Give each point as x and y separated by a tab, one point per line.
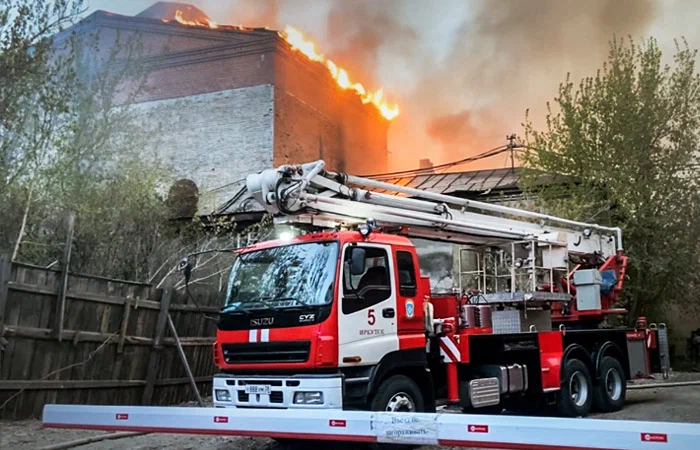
673	404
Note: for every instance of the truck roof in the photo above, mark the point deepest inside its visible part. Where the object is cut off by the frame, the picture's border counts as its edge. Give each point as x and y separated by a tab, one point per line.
376	237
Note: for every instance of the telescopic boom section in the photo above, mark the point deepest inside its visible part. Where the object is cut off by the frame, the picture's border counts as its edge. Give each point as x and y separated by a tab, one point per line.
309	194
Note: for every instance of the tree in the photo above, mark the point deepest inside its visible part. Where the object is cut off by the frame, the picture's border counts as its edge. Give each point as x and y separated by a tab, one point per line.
627	138
30	96
71	139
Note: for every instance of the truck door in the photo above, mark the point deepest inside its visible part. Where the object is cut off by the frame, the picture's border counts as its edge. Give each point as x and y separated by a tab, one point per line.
367	314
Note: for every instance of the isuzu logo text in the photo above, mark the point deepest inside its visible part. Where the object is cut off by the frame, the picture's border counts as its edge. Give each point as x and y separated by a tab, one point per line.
303	318
264	321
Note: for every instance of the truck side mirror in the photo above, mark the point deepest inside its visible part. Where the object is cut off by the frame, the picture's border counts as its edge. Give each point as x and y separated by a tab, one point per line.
357	260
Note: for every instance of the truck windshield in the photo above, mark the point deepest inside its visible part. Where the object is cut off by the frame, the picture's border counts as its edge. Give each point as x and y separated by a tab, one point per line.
281	277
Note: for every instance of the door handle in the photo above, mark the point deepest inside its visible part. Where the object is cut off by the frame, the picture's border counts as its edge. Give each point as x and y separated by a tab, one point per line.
388	313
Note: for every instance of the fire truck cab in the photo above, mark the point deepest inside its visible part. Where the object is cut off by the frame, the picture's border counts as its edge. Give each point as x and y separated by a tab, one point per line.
343	319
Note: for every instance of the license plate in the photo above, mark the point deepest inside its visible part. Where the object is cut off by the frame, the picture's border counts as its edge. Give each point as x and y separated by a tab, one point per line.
257	389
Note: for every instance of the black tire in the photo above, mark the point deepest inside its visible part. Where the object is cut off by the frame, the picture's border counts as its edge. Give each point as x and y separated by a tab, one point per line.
390	388
609	393
576	394
397	390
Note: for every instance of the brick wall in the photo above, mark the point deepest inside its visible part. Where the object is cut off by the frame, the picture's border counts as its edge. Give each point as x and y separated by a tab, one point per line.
216	138
185	78
181	60
314	119
235	102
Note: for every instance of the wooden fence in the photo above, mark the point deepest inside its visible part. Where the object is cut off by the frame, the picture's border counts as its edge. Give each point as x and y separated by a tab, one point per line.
102	342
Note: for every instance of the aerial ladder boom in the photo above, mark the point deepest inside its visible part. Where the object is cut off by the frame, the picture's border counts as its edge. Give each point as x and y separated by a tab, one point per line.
309	194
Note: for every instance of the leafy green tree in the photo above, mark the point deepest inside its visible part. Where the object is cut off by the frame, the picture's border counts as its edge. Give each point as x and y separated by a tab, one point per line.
627	138
71	139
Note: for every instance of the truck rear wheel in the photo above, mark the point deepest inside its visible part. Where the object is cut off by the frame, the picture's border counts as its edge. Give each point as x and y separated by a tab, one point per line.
398	394
609	394
576	394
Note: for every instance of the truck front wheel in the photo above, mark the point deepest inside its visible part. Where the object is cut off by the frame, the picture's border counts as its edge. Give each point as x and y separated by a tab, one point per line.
610	392
576	394
398	394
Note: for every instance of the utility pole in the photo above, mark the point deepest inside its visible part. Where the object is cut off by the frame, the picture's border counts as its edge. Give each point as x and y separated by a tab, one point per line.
511	148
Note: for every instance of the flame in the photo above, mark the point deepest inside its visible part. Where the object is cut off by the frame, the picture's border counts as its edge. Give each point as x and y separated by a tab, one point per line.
297	41
206	23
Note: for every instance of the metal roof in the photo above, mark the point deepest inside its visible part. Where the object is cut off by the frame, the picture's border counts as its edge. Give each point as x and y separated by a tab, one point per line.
470	182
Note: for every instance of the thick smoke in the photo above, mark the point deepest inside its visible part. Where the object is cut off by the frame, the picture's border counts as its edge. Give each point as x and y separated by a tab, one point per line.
361	32
455	132
464	72
511	56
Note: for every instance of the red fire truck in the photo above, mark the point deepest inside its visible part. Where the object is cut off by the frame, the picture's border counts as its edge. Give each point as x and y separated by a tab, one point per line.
344	317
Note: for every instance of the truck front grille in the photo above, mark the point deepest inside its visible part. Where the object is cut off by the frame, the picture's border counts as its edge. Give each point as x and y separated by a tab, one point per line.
266	352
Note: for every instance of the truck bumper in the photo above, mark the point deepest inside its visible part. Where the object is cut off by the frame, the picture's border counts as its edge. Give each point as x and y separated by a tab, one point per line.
229	391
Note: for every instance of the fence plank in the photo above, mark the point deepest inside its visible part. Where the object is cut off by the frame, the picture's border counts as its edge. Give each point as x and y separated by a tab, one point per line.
31	385
76	336
154	357
125	324
108	299
5	273
63	286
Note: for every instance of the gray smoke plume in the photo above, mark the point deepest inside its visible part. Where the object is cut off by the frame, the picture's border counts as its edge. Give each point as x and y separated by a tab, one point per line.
464	72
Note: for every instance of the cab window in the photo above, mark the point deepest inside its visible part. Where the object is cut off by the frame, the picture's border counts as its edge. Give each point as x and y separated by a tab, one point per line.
407	274
368	286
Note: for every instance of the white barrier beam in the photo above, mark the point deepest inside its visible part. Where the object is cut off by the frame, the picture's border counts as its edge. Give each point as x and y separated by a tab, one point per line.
483	431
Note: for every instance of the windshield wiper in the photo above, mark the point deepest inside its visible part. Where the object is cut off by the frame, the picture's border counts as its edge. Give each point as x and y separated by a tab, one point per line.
301	303
264	302
248	308
232	308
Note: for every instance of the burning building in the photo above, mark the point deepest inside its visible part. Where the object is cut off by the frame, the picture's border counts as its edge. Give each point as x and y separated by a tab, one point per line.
232	100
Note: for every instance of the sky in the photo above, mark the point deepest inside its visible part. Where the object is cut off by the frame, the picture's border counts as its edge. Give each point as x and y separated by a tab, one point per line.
463	72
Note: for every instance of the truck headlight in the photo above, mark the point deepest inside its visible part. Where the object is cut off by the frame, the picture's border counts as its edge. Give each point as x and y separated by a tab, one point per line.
308	398
222	395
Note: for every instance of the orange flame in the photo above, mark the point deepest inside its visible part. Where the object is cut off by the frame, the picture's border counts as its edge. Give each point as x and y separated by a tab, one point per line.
206	23
297	41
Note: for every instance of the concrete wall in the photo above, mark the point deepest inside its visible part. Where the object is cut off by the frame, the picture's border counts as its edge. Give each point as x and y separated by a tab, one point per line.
215	139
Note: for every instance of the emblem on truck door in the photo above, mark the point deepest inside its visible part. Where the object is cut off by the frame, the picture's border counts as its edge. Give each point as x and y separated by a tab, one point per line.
410	309
263	321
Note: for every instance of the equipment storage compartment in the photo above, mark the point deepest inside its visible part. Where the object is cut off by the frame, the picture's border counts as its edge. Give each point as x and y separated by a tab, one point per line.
587	289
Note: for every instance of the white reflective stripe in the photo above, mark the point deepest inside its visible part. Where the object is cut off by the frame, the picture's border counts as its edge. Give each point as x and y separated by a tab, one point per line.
265	335
252	335
445	356
452	347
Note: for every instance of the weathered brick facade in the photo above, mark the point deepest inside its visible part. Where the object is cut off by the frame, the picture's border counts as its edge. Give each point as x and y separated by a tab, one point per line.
216	139
234	101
